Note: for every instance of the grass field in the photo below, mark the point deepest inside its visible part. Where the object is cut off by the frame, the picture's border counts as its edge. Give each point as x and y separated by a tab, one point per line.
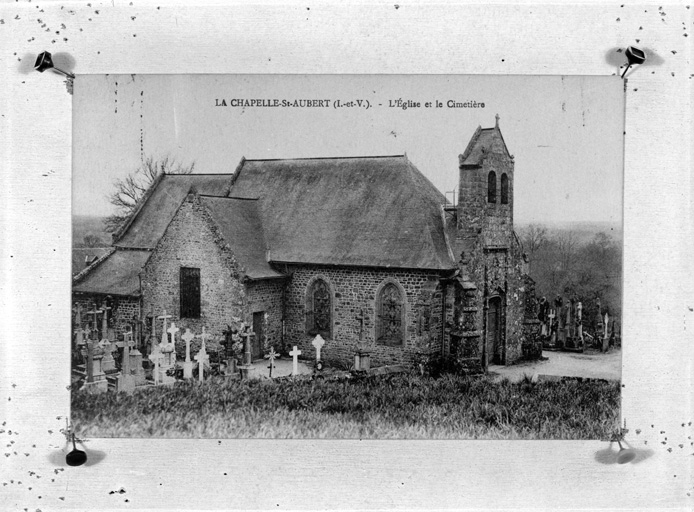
403	406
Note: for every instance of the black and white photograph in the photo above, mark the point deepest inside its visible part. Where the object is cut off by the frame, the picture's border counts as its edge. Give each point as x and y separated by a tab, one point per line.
415	257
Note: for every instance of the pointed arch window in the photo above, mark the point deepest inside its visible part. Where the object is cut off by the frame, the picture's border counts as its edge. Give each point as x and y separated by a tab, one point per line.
491	187
319	309
390	320
504	188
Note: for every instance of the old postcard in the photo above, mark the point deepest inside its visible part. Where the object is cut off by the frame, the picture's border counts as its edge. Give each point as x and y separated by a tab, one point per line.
347	256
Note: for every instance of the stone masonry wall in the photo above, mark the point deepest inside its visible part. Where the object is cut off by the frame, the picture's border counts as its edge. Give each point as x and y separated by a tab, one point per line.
122	310
476	216
354	289
267	296
192	240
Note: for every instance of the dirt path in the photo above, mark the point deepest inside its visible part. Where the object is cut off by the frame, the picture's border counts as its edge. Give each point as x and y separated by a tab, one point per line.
591	364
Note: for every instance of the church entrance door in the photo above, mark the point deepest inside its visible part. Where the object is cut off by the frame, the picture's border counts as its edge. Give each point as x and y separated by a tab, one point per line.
259	340
493	329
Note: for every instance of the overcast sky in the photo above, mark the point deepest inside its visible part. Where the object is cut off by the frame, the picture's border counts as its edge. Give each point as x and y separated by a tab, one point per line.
566	133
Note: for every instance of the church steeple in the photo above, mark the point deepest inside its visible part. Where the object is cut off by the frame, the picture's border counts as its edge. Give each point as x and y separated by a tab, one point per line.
485	205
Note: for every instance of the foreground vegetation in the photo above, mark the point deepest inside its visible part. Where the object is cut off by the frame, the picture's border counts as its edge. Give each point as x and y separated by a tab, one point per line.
401	406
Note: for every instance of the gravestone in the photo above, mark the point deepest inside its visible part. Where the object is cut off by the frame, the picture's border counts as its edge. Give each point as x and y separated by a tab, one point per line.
104	319
156	357
188	364
318	343
606	334
361	319
271	357
295	353
552	327
164	335
247	367
135	358
169	351
96	379
202	358
108	363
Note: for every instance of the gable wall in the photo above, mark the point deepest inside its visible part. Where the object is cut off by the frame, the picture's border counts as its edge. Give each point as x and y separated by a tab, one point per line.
190	240
353	289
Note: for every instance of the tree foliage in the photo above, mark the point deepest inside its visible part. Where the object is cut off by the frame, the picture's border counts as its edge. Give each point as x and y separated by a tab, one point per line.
130	190
570	265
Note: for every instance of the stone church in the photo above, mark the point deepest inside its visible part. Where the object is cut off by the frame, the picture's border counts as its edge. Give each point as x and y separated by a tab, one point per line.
362	250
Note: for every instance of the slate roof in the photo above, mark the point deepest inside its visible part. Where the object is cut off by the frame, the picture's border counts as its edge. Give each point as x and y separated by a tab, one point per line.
240	224
80	256
116	274
484	139
155	214
363	211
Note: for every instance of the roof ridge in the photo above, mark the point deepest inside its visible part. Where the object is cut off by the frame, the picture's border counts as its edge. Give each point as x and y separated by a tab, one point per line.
229	197
323	158
200	174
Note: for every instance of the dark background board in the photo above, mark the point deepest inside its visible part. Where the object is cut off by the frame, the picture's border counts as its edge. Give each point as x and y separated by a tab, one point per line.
35	114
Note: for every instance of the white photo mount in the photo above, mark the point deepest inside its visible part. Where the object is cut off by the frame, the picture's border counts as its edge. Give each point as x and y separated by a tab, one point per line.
496	39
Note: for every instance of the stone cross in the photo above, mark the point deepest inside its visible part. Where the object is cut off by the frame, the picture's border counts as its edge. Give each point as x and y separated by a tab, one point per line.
104	319
93	313
361	328
154	330
271	356
107	363
202	359
248	358
173	330
164	337
318	343
295	353
156	356
125	366
551	324
79	336
188	365
90	362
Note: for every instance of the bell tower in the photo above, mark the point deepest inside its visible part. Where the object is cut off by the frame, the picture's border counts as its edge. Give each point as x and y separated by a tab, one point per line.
485	204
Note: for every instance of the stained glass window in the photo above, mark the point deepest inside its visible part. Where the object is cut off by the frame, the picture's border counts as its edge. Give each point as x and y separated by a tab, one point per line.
390	327
319	309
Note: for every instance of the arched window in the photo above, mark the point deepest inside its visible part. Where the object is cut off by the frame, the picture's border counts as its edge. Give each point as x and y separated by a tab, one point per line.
390	319
504	189
491	187
319	309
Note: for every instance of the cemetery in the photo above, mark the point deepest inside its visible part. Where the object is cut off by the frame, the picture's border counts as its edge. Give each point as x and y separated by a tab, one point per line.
141	384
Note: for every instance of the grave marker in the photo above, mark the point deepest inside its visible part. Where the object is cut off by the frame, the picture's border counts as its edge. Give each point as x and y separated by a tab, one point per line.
164	337
108	363
156	357
202	358
295	353
318	343
361	325
188	364
104	319
271	356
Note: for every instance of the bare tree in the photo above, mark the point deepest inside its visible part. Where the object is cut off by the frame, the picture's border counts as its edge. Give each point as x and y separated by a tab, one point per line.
534	238
129	191
567	242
